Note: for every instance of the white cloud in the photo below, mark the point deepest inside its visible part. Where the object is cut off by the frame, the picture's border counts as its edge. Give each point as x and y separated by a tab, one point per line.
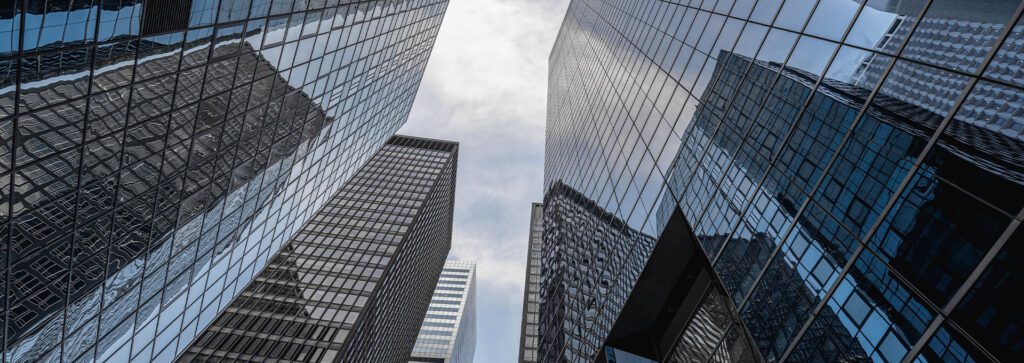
486	87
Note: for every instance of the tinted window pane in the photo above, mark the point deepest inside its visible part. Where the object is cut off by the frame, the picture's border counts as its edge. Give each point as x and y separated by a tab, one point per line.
991	309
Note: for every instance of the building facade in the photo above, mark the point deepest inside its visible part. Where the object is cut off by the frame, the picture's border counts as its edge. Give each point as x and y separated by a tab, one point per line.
610	256
850	174
529	337
448	333
155	154
354	282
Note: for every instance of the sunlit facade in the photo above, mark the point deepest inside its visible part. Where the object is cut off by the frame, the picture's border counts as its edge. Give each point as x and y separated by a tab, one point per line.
448	333
850	172
155	154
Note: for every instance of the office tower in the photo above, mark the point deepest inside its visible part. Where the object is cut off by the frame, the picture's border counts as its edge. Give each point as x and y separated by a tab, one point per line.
528	335
155	154
824	180
448	333
354	283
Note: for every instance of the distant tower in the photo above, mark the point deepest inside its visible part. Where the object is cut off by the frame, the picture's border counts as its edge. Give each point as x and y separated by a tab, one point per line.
448	333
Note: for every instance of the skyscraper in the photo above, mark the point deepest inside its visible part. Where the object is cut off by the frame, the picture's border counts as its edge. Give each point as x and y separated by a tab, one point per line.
355	281
824	180
448	333
528	334
155	154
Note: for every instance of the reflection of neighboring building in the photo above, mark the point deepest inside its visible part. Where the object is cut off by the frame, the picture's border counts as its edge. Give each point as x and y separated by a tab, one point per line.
713	334
887	139
355	282
147	179
448	333
156	150
834	227
589	264
528	335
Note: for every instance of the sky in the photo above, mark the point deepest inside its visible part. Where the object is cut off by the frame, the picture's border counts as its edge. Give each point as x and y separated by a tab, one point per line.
485	86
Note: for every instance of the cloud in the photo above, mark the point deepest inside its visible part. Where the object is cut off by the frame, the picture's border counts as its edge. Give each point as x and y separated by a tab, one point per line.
486	87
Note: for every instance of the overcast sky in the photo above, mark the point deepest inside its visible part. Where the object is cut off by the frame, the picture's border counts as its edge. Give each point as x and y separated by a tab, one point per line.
485	87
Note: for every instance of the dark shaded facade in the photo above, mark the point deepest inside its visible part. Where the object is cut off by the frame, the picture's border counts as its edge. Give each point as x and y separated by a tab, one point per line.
528	334
851	172
354	283
149	165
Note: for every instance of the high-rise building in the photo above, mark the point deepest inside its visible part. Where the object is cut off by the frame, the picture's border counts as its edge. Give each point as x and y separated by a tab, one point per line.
824	180
155	154
528	334
354	283
448	333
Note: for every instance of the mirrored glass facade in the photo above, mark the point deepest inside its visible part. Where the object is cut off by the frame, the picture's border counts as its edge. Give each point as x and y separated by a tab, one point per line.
448	333
590	262
354	283
154	154
529	337
852	170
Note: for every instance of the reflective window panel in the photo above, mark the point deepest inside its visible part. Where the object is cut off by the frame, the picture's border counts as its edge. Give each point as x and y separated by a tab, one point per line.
852	170
155	154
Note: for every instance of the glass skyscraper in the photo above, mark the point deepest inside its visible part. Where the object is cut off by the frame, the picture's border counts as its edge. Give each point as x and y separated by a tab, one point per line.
829	180
528	334
355	282
155	154
448	333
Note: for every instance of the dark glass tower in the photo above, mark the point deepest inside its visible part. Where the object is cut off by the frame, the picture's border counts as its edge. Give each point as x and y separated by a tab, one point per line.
154	154
848	173
354	283
529	336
